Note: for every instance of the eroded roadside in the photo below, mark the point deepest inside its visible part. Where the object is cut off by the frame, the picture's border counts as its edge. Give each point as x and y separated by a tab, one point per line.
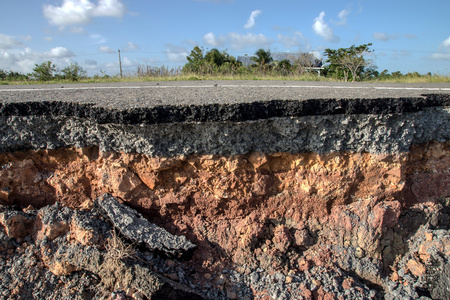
333	206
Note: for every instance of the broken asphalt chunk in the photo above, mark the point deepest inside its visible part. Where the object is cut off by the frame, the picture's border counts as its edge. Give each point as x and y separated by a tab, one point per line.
135	227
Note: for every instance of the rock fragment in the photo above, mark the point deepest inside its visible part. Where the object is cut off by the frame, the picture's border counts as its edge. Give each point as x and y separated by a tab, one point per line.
133	226
15	223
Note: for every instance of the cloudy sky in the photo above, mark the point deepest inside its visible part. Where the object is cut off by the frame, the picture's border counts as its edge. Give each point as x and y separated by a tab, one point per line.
407	36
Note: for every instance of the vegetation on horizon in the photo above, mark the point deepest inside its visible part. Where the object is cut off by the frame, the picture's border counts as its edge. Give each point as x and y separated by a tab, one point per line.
344	64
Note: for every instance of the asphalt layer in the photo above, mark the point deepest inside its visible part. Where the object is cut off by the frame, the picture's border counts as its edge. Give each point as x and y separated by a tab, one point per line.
148	94
201	101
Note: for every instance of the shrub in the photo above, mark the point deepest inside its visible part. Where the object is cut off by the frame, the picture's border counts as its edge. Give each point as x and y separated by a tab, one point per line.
117	250
74	72
2	74
44	71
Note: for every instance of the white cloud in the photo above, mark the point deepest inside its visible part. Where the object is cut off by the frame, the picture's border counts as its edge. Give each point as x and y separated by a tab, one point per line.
48	38
128	66
238	41
175	53
109	8
75	12
126	62
71	12
24	60
343	17
59	52
131	46
105	49
322	29
251	20
446	43
211	40
444	51
9	42
440	56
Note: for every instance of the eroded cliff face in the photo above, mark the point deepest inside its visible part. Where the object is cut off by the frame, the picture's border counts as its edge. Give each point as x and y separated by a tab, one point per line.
299	186
230	200
364	216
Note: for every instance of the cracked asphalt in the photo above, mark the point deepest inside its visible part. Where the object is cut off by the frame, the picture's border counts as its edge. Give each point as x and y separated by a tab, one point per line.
184	93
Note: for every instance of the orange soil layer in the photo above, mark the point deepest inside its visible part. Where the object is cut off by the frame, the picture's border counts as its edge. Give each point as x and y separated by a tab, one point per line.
214	198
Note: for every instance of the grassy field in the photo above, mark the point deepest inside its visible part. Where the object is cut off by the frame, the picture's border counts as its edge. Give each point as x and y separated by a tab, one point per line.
422	79
195	77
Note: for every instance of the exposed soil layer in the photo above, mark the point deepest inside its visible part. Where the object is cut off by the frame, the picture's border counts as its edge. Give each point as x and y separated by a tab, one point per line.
294	186
223	199
281	213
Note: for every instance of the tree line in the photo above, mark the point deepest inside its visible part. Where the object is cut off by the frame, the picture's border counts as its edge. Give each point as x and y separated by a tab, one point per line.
354	63
215	62
46	71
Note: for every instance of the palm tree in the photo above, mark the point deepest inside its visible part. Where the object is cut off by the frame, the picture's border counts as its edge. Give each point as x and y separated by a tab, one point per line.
263	58
284	66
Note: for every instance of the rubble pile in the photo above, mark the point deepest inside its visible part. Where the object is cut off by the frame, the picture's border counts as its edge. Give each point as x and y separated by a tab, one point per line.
61	253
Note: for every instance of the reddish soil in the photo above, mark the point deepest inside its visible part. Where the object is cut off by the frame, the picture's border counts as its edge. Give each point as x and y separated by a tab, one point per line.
248	208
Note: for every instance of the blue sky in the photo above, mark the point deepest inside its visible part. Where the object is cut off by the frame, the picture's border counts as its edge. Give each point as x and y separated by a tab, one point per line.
407	36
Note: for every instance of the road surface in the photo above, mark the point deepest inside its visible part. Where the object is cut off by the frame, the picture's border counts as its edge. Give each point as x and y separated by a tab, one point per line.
182	93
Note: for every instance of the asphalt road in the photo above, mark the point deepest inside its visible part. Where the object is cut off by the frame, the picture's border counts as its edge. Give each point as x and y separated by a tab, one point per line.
150	94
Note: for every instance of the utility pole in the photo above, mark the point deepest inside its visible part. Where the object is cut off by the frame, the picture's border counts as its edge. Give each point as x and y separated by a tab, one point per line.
120	64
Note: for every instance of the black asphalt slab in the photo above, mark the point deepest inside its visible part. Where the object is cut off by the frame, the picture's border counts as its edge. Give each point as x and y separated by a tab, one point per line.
202	101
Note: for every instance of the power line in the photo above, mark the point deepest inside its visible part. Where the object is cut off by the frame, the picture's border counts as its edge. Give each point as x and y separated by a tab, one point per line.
35	56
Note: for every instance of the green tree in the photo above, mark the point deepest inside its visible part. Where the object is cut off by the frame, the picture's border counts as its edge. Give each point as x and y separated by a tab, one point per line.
2	74
284	67
413	75
262	58
44	71
349	61
195	61
221	60
397	74
370	73
214	61
74	72
384	74
215	57
16	76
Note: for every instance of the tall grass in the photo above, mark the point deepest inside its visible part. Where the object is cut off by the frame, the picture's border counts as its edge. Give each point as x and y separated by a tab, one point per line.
231	72
151	71
415	79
